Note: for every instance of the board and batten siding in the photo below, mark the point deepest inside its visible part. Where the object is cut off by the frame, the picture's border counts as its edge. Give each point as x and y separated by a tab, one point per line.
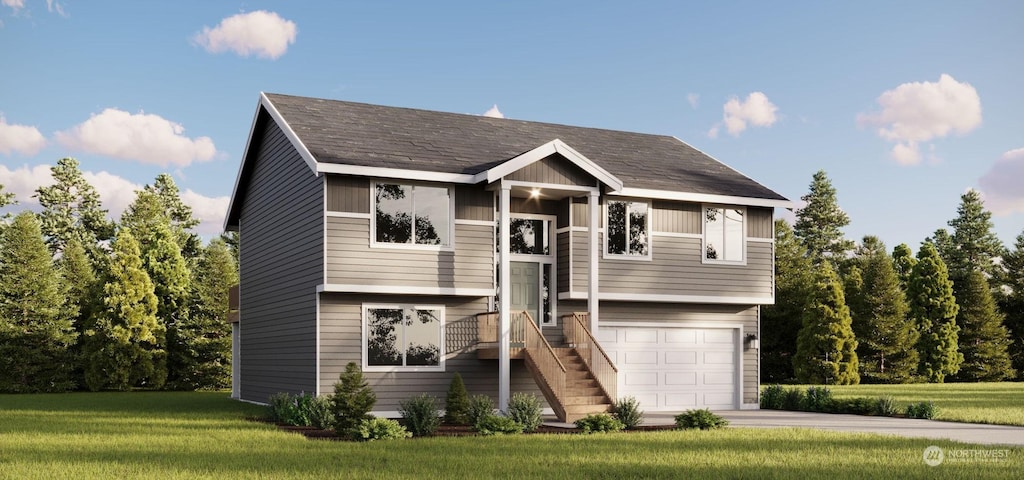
348	194
553	169
281	263
341	342
703	315
351	260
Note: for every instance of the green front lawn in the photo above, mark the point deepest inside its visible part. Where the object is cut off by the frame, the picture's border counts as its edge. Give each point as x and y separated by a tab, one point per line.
999	403
204	435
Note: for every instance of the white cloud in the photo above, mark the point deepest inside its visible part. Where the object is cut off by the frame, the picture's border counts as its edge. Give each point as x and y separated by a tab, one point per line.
693	99
23	139
493	112
141	137
209	210
1001	185
24	181
261	33
737	115
55	6
14	4
921	111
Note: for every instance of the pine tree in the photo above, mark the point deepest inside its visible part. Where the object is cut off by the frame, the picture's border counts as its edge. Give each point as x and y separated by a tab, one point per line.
819	224
162	202
35	337
983	339
121	347
353	399
456	405
1012	303
71	209
79	279
885	336
973	244
903	261
933	309
781	322
6	198
826	347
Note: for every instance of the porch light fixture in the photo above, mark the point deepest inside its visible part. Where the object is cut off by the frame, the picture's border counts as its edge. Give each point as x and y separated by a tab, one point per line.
752	342
535	193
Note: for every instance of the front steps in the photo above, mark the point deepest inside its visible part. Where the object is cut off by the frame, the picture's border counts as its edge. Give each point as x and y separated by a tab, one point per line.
583	394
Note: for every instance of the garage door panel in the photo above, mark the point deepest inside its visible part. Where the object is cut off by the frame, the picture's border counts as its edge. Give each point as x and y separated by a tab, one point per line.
640	335
649	357
678	357
720	335
716	378
680	378
641	379
719	358
679	401
719	400
608	335
680	335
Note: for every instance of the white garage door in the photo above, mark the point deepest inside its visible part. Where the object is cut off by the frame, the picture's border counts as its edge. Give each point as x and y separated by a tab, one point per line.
673	368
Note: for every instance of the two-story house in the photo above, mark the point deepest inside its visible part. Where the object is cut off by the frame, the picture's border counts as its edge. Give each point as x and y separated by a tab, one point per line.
580	263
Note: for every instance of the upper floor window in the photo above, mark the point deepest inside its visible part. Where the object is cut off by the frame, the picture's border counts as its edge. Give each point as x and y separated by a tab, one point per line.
724	234
412	214
627	227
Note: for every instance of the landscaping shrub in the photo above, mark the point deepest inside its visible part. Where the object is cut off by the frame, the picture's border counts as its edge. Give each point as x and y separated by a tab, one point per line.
420	414
493	424
353	399
793	400
924	410
702	419
456	404
817	399
320	412
370	429
855	406
886	406
480	406
773	397
525	409
627	410
300	410
599	423
279	407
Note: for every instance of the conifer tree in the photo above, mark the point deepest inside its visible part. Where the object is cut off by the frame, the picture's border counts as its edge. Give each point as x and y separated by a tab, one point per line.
933	309
161	202
973	244
819	224
885	337
71	209
781	322
79	279
903	261
35	337
983	339
1012	303
6	198
826	347
204	359
121	347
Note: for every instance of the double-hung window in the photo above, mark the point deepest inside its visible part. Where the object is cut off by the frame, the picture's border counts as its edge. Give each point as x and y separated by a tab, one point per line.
403	337
412	215
724	235
627	229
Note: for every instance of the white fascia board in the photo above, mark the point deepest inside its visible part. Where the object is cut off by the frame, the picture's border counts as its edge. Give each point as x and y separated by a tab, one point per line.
790	204
546	150
241	164
404	290
703	198
396	173
288	132
652	297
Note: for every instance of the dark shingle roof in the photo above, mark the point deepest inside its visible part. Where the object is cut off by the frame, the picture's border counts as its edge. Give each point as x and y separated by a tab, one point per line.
390	137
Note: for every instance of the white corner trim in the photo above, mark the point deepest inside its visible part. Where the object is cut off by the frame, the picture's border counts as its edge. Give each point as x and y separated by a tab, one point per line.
702	198
546	150
404	290
364	216
394	173
288	132
654	297
760	240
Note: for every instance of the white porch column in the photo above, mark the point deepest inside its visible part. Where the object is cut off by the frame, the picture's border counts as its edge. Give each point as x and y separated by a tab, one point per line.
504	301
595	257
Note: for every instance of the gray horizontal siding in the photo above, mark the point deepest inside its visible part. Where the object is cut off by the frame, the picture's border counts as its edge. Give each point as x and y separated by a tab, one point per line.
554	169
675	268
281	226
350	260
472	202
341	342
348	194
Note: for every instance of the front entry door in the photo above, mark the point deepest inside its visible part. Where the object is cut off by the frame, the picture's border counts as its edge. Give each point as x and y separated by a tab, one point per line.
526	288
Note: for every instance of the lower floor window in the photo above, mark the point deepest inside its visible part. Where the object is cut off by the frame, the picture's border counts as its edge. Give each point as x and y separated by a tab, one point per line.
403	337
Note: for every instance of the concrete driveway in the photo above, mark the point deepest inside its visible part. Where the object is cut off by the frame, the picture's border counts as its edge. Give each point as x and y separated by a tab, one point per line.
905	427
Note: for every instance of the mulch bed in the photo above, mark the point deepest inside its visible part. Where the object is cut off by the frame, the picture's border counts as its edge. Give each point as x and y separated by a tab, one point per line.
445	430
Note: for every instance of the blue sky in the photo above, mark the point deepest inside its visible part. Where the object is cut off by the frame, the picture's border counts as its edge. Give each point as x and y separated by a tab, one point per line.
905	104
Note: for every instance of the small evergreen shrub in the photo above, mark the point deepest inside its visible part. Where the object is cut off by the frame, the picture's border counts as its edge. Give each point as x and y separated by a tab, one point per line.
353	399
480	406
773	397
855	406
925	410
279	407
420	414
370	429
702	419
498	425
456	404
793	400
886	406
817	399
627	410
599	423
524	409
300	410
320	412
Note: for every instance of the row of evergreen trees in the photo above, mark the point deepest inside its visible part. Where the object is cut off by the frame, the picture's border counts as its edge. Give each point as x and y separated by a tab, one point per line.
847	313
87	302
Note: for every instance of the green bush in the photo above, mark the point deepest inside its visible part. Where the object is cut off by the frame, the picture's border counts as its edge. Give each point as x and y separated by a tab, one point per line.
524	409
480	406
279	407
855	406
420	414
498	425
773	397
924	410
370	429
456	404
599	423
352	401
817	399
886	406
702	419
320	412
627	410
793	400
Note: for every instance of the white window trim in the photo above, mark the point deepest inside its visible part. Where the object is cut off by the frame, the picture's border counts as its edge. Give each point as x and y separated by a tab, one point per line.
392	368
549	259
704	236
650	237
412	246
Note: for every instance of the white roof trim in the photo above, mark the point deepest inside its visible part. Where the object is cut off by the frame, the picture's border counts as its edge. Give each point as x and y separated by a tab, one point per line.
394	173
543	151
669	298
241	165
288	132
703	198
